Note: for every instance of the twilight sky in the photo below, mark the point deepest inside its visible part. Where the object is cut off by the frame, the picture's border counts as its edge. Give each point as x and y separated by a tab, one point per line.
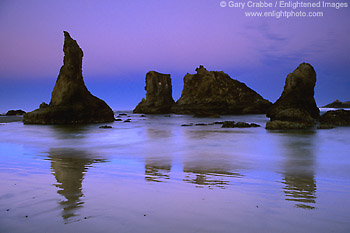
123	40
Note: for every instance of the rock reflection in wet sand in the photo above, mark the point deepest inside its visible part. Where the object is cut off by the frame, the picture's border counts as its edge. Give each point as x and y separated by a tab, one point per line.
202	177
302	189
69	167
157	170
299	177
206	170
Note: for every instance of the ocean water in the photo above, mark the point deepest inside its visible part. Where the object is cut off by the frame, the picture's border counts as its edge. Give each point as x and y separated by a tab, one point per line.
154	175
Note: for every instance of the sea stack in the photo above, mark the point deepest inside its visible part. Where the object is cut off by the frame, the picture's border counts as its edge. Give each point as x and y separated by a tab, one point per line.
159	98
338	104
209	93
296	108
71	102
15	112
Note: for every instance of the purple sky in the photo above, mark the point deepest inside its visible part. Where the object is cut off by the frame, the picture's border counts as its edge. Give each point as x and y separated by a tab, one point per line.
123	40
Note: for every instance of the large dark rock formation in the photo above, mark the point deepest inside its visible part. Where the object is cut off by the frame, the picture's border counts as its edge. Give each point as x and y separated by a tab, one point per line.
214	92
71	102
296	106
159	98
338	104
337	118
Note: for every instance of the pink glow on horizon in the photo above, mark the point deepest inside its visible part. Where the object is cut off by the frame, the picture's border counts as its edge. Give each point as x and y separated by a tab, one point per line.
123	40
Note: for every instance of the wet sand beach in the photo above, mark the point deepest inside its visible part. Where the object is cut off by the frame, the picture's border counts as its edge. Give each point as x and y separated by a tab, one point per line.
153	175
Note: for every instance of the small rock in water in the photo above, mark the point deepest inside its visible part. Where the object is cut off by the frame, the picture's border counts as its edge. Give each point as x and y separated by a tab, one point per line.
127	120
200	124
232	124
242	125
246	125
254	125
191	124
105	127
228	124
118	119
143	115
337	118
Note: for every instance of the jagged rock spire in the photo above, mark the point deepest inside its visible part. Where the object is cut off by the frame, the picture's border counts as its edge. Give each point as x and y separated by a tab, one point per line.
71	102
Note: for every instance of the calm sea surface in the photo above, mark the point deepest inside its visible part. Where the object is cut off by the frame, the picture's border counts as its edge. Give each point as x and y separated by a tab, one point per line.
154	175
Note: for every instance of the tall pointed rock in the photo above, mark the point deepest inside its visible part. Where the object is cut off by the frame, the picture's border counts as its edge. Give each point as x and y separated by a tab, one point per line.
71	102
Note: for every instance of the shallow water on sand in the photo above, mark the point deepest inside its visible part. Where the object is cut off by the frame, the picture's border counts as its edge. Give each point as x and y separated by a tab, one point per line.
154	175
